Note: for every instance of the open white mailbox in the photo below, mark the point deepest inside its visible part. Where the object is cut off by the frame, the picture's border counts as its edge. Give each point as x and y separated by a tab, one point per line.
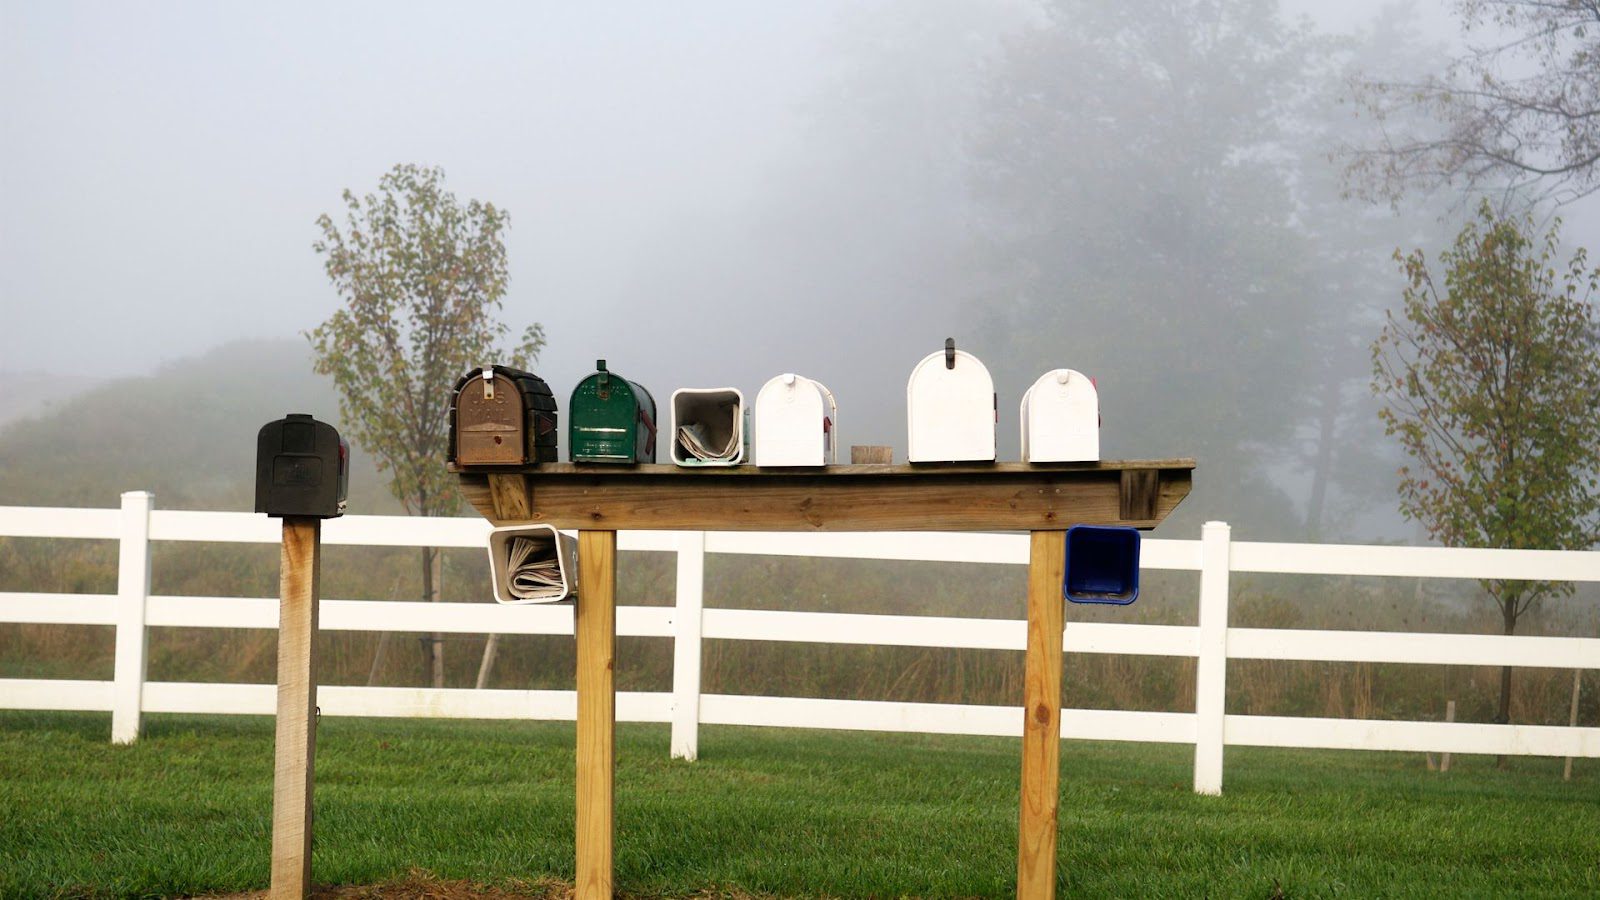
1061	418
796	423
951	409
709	427
533	564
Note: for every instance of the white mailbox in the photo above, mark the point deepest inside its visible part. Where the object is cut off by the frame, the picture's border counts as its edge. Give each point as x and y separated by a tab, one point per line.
709	427
951	409
533	564
796	423
1061	418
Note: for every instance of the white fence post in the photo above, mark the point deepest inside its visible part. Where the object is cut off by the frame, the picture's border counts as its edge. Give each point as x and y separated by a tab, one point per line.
686	643
1211	668
133	590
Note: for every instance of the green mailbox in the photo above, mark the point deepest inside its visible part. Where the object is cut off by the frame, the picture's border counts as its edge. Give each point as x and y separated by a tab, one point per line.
611	420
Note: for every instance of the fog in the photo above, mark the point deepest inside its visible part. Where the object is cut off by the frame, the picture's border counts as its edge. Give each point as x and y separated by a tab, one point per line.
710	194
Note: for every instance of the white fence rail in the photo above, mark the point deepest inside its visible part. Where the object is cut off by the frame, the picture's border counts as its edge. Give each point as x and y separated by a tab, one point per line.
132	610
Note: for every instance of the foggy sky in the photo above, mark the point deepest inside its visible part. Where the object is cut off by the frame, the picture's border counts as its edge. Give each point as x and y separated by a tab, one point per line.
161	166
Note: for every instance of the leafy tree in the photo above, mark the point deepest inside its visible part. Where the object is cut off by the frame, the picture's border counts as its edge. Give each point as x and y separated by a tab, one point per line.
422	277
1491	381
1521	115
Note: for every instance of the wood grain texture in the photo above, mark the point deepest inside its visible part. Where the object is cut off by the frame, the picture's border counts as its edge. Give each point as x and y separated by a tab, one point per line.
509	497
864	454
1141	494
596	629
1041	730
996	497
295	744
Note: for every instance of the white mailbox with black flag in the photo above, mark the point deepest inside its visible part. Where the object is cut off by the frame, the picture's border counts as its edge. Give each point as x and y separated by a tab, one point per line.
951	408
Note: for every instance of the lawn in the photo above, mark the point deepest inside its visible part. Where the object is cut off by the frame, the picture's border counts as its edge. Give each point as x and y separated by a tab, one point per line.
774	812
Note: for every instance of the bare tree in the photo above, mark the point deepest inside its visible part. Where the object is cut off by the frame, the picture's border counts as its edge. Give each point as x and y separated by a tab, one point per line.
1518	116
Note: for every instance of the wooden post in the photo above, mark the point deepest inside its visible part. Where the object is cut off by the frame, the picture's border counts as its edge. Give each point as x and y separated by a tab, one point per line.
596	628
1449	716
296	742
1572	719
870	454
1041	727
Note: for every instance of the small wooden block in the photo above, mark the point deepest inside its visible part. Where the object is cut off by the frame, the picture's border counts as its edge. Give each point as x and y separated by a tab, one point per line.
867	454
1141	488
510	495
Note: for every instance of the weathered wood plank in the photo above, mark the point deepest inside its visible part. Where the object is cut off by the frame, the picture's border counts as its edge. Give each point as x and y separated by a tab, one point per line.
596	631
509	497
1041	728
864	470
1141	494
1001	497
295	744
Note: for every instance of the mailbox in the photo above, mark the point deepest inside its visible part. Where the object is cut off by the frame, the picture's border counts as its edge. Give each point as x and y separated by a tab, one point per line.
709	427
500	416
533	564
796	423
951	409
611	420
302	468
1061	418
1102	564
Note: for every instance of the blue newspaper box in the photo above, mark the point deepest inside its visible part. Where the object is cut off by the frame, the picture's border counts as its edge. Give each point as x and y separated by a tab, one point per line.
1102	564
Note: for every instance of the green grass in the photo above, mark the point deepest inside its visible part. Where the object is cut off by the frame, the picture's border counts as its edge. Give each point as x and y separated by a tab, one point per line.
775	812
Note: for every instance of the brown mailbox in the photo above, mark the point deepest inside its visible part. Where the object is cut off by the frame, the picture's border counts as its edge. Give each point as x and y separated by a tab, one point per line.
500	416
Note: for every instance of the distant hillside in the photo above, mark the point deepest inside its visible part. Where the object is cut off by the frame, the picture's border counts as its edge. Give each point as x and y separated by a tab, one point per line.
25	394
187	433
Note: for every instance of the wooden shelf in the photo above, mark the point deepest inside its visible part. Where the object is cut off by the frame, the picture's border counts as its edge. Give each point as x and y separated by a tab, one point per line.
1006	496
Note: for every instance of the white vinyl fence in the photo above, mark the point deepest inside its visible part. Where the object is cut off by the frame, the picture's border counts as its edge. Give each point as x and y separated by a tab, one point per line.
132	609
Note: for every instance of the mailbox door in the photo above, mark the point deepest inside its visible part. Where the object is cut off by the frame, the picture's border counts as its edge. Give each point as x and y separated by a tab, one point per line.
490	424
791	423
950	411
1061	418
605	420
302	468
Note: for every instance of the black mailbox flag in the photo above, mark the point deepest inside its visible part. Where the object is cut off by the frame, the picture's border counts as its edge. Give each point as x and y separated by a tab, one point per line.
302	468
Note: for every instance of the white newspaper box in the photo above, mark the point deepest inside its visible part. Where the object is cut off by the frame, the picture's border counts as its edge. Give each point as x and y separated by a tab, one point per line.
1061	418
951	409
796	423
533	564
709	427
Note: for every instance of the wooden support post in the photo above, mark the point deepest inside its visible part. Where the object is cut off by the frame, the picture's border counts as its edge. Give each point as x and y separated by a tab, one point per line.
1449	716
1041	729
1572	719
596	628
296	742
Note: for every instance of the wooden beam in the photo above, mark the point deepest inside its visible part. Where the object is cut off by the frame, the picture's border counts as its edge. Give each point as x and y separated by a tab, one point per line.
596	629
1041	729
996	497
1140	495
295	746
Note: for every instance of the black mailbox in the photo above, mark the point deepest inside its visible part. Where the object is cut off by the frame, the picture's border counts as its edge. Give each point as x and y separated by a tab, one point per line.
302	468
